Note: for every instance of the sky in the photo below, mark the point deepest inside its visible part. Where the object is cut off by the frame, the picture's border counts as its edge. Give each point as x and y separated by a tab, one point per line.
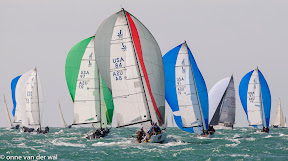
226	37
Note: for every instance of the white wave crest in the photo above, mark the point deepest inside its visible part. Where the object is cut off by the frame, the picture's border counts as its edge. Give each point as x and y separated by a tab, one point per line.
60	143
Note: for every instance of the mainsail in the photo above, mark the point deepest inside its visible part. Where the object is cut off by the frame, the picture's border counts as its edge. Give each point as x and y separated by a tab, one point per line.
130	61
92	100
186	91
222	102
7	113
280	119
255	98
63	122
28	98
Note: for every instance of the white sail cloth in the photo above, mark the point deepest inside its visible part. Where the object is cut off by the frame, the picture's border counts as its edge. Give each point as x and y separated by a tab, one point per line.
29	97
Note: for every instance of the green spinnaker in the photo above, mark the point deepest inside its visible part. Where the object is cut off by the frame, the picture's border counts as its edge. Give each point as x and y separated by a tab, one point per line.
72	67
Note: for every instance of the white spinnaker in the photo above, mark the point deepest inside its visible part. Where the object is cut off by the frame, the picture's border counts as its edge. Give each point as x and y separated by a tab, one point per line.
87	99
215	96
61	117
7	113
32	100
20	95
254	102
227	114
188	101
103	122
130	106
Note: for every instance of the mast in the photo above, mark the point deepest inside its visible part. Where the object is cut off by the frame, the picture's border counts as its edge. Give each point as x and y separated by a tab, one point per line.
135	54
201	113
7	113
100	99
38	97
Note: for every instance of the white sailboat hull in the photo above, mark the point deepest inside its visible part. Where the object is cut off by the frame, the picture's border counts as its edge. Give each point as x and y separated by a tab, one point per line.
159	138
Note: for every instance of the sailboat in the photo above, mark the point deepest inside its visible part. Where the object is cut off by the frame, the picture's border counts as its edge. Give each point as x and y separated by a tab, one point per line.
93	102
280	119
256	99
7	114
130	62
29	98
63	122
222	104
186	91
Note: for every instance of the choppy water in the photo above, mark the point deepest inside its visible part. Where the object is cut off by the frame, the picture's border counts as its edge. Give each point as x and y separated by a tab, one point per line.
69	144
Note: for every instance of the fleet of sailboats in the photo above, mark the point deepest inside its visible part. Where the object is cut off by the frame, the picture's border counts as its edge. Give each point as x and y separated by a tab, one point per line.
120	71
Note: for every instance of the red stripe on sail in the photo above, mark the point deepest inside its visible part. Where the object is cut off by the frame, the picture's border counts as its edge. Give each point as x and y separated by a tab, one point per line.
137	44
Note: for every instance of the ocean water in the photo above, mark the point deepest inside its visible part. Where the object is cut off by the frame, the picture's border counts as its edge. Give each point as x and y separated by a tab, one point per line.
70	144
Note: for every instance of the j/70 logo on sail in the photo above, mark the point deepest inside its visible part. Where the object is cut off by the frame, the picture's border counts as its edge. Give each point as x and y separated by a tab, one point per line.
120	35
124	48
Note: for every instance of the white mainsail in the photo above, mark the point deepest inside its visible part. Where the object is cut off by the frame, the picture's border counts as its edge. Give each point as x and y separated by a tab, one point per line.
61	117
131	106
87	101
254	101
189	105
280	119
103	122
7	113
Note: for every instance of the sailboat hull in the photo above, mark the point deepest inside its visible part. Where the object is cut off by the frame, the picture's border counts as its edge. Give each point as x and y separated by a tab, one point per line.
159	138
